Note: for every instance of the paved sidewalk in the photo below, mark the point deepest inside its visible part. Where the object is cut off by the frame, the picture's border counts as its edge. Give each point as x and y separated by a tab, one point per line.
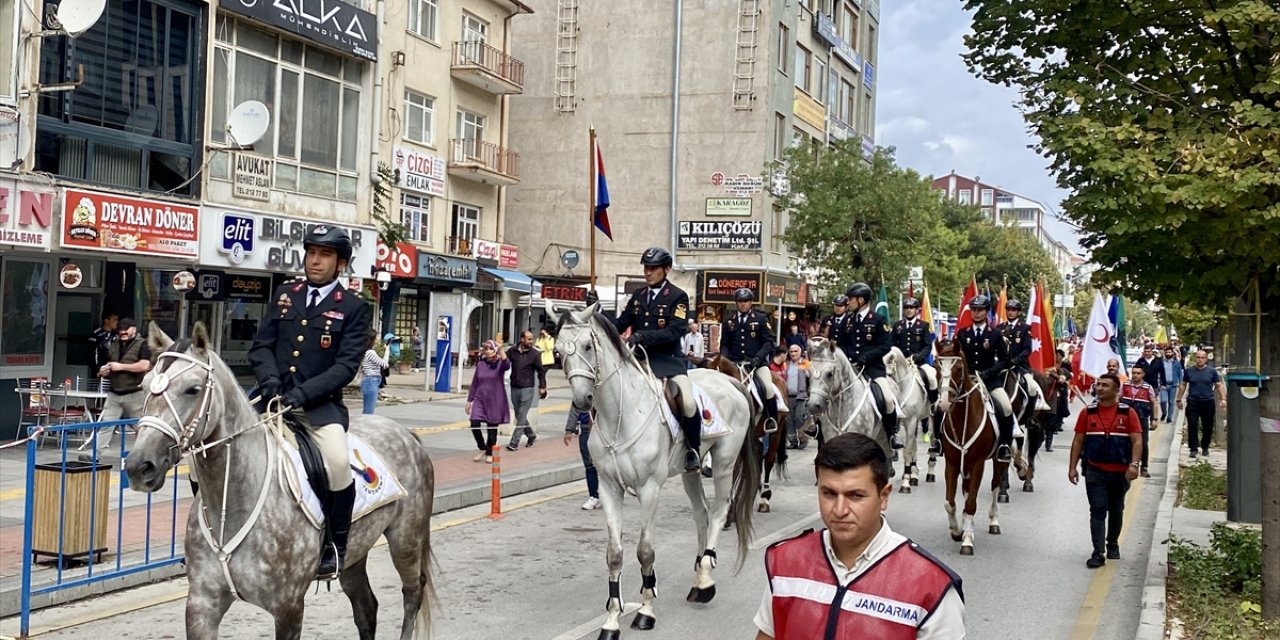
437	418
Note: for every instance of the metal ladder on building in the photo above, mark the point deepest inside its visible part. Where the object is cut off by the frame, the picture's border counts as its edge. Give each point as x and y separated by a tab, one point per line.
566	55
744	68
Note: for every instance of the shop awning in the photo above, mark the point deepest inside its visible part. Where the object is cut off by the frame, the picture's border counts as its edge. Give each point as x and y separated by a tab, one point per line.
513	280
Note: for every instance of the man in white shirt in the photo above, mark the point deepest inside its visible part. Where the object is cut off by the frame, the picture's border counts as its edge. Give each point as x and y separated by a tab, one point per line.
858	562
692	345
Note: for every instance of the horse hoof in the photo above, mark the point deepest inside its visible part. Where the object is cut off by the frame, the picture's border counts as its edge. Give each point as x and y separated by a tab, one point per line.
929	477
609	634
994	529
1027	487
915	482
966	551
906	488
643	622
701	596
763	507
1002	498
957	537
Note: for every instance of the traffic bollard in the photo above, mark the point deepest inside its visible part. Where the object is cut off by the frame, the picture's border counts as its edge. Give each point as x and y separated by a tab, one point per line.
495	491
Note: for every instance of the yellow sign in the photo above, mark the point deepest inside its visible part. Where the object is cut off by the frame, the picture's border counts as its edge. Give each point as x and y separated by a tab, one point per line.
810	111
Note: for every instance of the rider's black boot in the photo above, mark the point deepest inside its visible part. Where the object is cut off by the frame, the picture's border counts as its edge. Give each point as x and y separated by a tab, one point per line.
891	430
338	520
935	442
1004	453
692	428
1048	439
932	395
771	414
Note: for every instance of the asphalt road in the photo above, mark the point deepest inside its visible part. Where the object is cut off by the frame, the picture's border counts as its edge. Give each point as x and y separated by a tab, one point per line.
539	572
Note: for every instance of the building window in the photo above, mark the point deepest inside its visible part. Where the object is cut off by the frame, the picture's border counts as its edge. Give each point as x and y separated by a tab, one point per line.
419	114
870	53
804	68
422	18
7	35
314	99
470	125
798	136
415	215
775	238
848	100
868	115
988	197
779	135
965	196
133	121
849	26
474	29
819	81
466	222
784	45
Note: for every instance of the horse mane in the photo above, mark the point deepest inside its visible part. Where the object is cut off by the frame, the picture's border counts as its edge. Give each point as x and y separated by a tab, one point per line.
235	402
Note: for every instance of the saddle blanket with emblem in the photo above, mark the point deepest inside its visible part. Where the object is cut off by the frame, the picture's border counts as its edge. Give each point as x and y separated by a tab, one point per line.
375	485
713	424
777	393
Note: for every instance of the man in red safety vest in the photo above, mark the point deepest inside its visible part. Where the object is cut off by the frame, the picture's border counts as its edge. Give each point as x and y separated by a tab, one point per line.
857	578
1109	441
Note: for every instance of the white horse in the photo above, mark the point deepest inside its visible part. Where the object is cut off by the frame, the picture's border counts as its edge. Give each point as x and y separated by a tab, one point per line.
247	537
914	408
841	397
632	447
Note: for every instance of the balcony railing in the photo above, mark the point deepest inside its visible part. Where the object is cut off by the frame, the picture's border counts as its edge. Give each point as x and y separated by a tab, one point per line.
460	246
479	55
500	163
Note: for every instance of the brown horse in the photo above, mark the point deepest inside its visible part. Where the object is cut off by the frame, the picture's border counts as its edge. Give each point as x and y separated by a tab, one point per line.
775	454
968	441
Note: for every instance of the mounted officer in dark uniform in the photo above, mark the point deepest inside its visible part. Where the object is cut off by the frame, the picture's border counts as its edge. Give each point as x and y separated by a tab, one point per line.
748	342
658	317
307	350
1017	340
866	343
984	350
834	326
915	340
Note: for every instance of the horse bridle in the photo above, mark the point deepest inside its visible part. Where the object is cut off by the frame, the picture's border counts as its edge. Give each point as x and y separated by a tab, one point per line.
849	415
159	386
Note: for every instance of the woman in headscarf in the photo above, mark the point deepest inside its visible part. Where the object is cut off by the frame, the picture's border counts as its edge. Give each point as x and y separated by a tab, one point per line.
487	398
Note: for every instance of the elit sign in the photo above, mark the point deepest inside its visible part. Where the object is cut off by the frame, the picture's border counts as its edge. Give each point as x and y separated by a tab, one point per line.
262	242
237	236
332	23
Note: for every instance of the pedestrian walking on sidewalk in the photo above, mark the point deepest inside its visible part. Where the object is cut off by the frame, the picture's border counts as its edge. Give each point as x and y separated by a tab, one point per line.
371	368
1110	464
546	345
128	360
1142	397
1196	392
1171	378
579	424
526	369
487	399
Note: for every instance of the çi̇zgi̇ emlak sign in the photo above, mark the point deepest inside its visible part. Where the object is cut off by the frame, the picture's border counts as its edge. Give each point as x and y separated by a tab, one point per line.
120	223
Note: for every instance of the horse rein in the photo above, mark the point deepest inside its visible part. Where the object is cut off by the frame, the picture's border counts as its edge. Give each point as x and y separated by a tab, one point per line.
948	434
592	373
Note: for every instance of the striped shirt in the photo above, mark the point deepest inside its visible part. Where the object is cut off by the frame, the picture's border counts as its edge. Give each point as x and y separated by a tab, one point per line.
373	364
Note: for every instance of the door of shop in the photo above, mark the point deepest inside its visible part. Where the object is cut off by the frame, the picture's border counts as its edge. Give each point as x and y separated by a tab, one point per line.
75	319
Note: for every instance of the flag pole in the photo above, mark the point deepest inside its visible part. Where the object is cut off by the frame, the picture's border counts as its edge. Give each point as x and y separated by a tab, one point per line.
591	204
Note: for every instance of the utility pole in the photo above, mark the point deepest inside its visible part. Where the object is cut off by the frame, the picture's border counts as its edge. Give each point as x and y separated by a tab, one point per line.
1269	413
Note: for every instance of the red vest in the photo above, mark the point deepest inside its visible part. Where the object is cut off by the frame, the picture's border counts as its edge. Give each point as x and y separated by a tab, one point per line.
889	601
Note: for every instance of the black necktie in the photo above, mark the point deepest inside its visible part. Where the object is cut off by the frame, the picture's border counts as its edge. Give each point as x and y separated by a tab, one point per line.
315	298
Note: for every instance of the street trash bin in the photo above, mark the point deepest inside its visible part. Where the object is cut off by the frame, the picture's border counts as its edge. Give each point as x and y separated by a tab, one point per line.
65	510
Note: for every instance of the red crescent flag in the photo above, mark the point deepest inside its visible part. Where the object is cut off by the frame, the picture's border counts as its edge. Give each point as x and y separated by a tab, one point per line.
964	318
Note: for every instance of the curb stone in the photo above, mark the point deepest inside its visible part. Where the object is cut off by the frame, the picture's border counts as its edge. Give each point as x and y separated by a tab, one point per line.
1151	624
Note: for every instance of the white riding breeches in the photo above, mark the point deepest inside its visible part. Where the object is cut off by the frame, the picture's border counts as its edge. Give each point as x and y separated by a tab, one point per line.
331	439
684	391
1000	400
930	376
765	378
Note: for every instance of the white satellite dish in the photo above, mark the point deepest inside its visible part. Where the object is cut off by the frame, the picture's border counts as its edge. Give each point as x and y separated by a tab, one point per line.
248	122
78	16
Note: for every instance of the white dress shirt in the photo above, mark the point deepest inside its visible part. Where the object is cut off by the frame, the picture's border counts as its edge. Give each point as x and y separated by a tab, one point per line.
324	291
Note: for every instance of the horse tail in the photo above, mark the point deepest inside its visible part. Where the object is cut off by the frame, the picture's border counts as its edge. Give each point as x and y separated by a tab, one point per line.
747	481
428	567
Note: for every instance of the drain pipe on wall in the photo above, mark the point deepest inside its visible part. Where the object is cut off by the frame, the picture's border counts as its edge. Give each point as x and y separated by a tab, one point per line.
374	176
675	121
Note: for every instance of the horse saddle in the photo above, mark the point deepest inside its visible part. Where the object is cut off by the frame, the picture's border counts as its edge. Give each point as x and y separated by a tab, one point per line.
307	479
713	424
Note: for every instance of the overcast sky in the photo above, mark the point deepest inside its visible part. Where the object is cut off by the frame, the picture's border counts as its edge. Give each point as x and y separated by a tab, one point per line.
941	118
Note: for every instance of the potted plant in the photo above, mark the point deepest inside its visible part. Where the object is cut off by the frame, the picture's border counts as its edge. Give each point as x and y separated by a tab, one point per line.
406	359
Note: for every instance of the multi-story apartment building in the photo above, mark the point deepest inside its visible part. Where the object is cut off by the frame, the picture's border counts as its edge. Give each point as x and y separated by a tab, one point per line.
692	107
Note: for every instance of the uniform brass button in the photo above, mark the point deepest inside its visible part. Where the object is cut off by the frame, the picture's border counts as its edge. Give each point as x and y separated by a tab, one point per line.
300	338
296	354
304	322
293	369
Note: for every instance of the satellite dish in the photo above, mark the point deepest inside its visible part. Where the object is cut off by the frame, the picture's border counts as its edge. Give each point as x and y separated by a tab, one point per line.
15	138
78	16
248	122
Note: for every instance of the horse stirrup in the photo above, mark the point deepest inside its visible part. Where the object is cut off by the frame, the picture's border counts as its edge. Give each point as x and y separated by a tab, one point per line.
770	425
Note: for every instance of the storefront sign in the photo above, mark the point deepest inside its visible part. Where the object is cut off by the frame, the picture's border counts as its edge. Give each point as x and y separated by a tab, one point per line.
739	185
434	268
251	176
845	52
26	216
508	256
420	171
108	222
332	23
739	234
209	287
810	111
273	243
792	291
825	28
505	256
718	286
401	263
868	74
247	288
729	207
558	292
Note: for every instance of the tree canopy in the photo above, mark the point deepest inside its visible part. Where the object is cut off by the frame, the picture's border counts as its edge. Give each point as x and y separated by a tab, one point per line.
1162	120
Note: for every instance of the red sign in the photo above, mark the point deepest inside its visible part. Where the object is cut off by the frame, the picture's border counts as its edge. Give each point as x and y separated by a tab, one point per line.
556	292
120	223
402	263
25	216
508	256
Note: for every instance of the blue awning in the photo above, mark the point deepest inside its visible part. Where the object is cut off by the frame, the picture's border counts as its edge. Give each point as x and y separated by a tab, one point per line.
513	280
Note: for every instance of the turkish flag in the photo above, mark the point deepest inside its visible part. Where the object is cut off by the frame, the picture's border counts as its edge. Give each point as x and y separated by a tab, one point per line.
964	318
1042	352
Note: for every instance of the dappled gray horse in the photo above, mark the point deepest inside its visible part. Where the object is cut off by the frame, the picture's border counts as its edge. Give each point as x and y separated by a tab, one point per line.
632	446
247	537
914	410
841	397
